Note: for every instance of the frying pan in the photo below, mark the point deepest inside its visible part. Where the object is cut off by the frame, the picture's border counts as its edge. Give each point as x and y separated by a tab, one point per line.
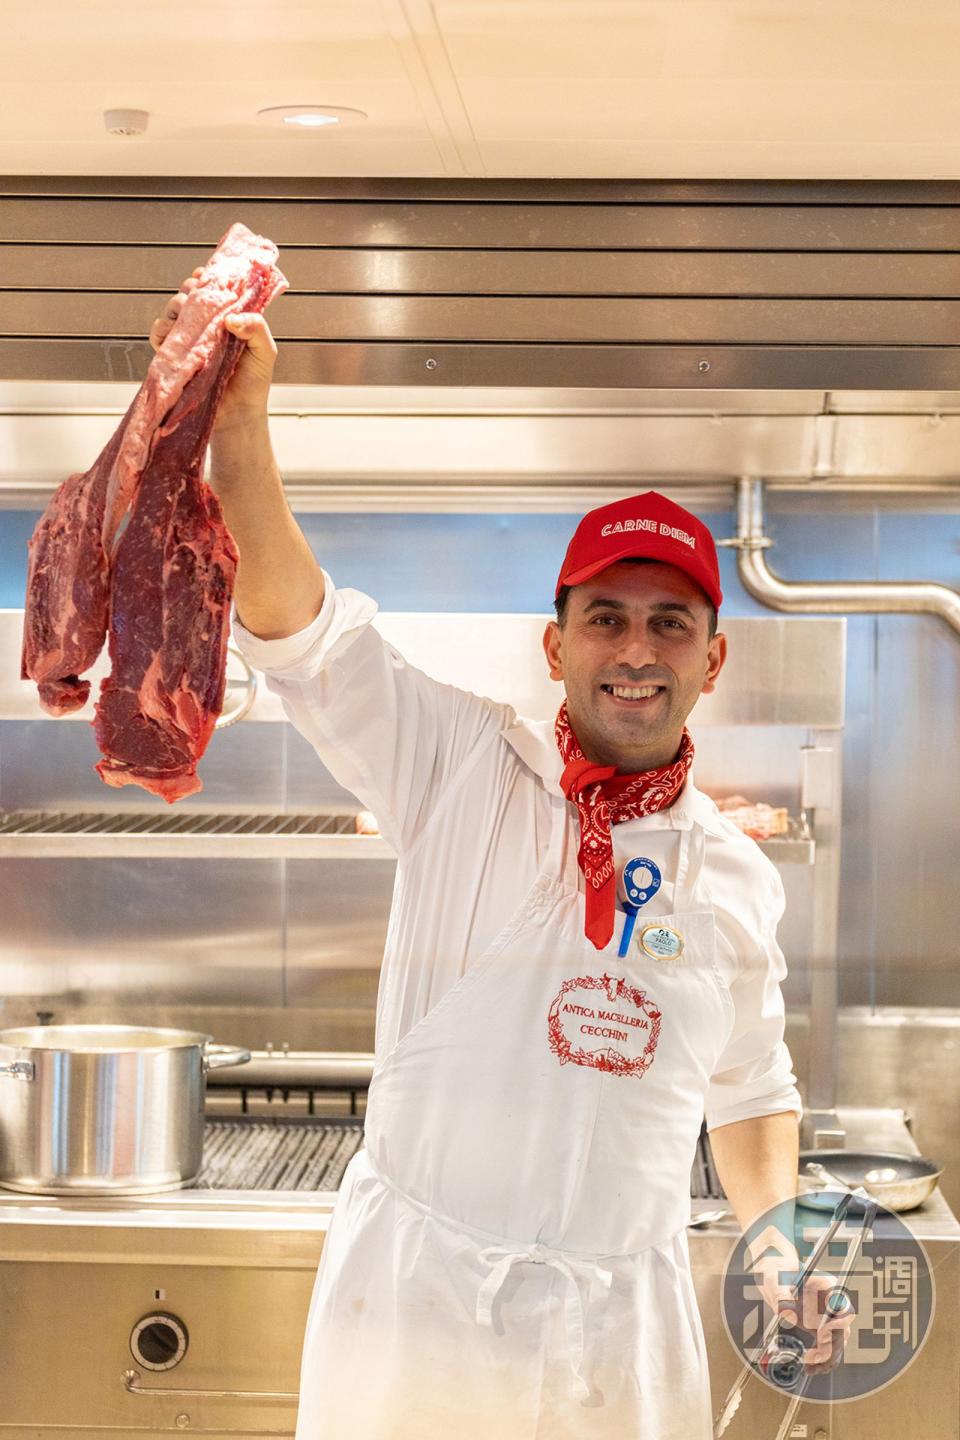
916	1178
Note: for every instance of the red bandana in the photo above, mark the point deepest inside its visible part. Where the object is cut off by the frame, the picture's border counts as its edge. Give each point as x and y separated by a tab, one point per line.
604	801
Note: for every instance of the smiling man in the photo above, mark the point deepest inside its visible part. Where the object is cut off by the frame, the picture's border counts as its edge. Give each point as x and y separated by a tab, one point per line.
581	963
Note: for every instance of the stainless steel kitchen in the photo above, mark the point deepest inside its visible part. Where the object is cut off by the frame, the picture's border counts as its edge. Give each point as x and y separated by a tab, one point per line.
548	289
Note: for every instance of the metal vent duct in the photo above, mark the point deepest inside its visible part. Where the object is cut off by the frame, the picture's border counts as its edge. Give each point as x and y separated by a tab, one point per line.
735	285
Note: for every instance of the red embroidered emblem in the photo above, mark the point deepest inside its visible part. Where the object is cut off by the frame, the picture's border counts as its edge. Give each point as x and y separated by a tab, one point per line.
602	1021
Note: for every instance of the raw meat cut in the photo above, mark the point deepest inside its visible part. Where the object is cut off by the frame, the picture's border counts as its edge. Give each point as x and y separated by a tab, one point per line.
755	818
171	585
164	589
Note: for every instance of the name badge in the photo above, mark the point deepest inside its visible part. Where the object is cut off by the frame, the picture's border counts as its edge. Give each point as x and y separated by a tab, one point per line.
661	942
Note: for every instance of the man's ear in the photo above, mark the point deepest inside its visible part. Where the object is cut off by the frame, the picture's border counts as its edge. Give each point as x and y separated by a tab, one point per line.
553	649
716	656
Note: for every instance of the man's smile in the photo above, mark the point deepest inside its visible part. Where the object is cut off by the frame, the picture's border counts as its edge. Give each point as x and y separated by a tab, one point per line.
633	697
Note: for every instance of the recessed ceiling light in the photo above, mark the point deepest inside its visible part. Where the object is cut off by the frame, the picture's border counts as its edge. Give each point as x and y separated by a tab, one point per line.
307	117
310	117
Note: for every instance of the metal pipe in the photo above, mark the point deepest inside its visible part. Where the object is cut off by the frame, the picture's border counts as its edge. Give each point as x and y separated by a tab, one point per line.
827	596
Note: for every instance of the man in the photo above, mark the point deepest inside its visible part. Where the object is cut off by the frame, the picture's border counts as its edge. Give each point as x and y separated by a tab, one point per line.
581	961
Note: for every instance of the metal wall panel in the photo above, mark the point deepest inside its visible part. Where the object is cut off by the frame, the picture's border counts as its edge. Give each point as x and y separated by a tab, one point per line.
433	188
118	268
385	319
609	223
915	800
703	367
134	933
335	930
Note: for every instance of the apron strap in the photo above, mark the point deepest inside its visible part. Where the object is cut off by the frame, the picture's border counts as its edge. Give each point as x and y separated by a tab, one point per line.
690	862
573	1305
561	864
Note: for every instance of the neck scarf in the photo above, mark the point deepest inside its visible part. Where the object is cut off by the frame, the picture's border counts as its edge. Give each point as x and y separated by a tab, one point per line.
605	798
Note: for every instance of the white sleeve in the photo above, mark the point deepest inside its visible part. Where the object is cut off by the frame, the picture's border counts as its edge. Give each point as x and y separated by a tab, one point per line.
754	1074
393	736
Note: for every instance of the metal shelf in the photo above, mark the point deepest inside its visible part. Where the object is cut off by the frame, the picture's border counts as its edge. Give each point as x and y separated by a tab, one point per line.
92	835
223	835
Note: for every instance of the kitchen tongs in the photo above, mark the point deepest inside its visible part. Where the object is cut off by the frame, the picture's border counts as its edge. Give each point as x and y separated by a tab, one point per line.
837	1298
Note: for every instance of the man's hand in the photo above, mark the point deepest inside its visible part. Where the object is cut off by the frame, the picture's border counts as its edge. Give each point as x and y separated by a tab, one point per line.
246	398
831	1331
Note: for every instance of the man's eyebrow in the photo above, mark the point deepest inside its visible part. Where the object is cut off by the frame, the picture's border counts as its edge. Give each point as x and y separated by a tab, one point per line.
675	605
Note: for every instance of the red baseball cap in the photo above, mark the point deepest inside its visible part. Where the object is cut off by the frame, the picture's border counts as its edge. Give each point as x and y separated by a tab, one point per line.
647	525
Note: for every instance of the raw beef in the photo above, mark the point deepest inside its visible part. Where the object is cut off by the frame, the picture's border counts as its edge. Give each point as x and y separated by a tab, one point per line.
164	589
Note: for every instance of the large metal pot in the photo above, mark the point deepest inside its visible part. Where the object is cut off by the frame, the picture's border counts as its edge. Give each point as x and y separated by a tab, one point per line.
103	1109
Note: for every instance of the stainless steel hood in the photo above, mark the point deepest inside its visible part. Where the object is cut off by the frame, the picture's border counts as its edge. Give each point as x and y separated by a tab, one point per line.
648	284
454	345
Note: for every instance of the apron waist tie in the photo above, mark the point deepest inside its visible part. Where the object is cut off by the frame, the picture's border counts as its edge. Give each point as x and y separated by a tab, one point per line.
573	1306
561	1260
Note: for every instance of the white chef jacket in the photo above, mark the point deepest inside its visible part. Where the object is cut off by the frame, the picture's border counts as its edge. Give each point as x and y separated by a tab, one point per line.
459	785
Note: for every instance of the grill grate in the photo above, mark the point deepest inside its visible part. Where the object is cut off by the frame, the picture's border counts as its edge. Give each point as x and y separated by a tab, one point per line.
120	822
297	1154
158	834
303	1154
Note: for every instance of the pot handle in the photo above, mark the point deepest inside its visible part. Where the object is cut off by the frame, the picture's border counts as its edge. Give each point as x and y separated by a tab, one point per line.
23	1070
217	1057
249	685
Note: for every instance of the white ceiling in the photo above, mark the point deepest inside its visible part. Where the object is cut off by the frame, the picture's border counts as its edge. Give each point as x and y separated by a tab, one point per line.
620	89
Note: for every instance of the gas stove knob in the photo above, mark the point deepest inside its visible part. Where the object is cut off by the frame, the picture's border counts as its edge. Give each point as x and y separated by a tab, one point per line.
159	1341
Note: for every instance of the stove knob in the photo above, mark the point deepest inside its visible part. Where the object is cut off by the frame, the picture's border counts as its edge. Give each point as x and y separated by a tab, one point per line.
159	1341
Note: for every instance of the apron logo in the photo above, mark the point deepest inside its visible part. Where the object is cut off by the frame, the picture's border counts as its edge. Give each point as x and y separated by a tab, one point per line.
602	1021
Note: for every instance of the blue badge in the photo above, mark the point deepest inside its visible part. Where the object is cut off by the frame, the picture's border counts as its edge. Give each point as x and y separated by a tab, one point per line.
641	881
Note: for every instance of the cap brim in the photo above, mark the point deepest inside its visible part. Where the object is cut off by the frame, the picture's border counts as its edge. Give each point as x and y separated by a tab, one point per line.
587	572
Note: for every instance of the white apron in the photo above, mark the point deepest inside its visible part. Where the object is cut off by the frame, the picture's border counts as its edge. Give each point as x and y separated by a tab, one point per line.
508	1253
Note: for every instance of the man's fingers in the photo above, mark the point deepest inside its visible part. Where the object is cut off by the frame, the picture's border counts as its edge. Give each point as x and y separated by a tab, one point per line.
176	302
830	1342
254	329
164	323
242	324
822	1357
159	331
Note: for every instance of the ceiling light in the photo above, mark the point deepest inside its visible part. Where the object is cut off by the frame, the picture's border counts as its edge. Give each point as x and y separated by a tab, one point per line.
310	117
307	117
